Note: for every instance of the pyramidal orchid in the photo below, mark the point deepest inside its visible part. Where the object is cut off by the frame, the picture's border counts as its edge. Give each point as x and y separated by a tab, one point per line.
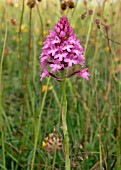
61	51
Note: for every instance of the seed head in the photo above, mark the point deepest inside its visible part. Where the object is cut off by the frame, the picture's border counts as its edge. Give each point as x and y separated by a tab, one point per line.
98	23
83	16
90	12
85	2
70	4
31	3
63	5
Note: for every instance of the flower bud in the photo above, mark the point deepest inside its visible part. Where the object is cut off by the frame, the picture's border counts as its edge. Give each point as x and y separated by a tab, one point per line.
90	12
83	16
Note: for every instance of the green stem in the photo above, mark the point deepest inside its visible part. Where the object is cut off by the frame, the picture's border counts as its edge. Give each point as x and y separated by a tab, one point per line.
65	130
19	42
41	21
3	148
1	67
37	131
1	90
90	27
58	125
54	159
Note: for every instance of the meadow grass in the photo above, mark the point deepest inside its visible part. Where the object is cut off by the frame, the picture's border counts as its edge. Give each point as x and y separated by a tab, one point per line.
30	110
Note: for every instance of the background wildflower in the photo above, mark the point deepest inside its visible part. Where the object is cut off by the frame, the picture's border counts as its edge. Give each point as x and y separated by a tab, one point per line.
50	87
107	49
43	144
13	21
40	43
53	142
44	88
16	5
37	30
23	28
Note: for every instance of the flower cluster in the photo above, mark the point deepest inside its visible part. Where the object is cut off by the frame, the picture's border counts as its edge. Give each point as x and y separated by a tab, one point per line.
53	142
61	51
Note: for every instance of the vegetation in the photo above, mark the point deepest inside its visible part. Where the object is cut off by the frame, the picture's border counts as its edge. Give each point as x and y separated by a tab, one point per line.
29	107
